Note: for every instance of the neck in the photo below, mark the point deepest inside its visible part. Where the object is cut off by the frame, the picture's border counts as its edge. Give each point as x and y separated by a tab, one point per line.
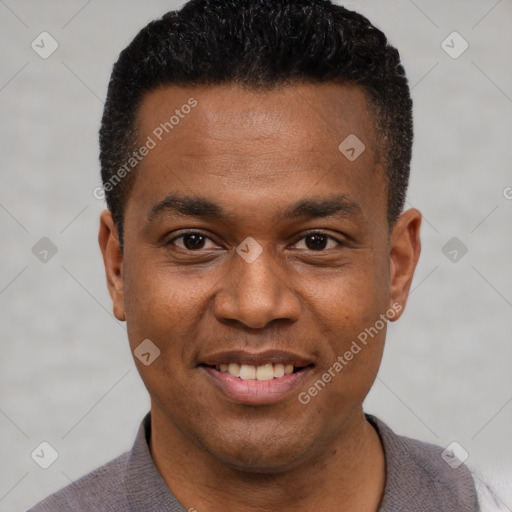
347	475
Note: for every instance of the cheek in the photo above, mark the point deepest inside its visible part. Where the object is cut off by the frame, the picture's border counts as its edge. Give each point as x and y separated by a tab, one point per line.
351	314
162	308
169	307
354	298
354	325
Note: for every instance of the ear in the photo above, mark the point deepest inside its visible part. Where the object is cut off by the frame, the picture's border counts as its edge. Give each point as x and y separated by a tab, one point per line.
108	239
405	248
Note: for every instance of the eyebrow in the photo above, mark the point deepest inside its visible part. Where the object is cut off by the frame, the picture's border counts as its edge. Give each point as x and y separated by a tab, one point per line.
196	206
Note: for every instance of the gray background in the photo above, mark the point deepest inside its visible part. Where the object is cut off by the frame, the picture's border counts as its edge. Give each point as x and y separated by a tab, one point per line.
67	376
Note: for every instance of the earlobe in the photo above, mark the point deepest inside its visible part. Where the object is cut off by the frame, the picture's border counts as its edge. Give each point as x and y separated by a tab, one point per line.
108	239
405	251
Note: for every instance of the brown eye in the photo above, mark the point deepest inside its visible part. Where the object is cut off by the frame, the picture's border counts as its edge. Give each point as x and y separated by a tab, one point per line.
193	241
316	242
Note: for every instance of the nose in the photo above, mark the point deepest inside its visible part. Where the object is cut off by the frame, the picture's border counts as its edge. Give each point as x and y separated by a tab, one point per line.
256	293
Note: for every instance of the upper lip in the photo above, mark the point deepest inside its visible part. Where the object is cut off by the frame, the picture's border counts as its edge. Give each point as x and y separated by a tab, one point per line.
256	359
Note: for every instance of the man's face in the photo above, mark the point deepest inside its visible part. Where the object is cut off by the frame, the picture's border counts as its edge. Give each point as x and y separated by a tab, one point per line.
318	269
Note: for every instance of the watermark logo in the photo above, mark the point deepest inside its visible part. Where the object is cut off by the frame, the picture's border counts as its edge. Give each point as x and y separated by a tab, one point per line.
454	455
44	45
352	147
44	455
44	250
146	352
454	45
454	249
249	250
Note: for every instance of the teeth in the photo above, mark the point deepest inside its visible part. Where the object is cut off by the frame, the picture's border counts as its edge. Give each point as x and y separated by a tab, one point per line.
250	372
234	369
278	370
265	372
247	372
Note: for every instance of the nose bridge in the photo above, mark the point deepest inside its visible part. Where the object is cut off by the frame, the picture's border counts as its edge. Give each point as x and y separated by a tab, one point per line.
254	291
259	279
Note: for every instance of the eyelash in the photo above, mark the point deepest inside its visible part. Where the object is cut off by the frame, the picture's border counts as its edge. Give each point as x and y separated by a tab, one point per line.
308	233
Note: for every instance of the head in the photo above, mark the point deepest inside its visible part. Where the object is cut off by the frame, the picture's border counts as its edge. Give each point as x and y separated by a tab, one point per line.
215	42
271	144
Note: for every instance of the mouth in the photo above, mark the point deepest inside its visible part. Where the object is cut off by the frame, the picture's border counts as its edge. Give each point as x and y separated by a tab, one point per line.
268	371
256	379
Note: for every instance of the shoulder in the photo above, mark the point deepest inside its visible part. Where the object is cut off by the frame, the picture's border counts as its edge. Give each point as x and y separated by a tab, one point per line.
102	489
419	478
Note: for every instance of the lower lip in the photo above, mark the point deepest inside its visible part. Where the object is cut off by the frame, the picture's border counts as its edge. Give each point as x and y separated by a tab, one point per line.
255	392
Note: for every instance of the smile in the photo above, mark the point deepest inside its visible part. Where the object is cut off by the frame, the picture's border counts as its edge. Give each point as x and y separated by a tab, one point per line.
252	379
267	371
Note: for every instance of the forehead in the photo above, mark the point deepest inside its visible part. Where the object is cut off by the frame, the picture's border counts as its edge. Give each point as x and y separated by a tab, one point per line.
227	141
301	113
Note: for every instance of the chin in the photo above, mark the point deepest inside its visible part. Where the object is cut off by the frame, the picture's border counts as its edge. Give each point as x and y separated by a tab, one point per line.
264	465
260	456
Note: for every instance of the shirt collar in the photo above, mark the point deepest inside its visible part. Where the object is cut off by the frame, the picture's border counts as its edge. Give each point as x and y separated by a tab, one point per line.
146	489
145	486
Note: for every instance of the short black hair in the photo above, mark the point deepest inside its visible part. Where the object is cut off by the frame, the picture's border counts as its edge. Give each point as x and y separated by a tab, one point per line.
258	44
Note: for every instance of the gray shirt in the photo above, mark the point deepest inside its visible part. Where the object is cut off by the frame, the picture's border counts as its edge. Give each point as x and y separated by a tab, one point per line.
417	480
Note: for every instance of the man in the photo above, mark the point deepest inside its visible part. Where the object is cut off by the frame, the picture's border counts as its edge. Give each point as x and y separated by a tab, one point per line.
255	158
